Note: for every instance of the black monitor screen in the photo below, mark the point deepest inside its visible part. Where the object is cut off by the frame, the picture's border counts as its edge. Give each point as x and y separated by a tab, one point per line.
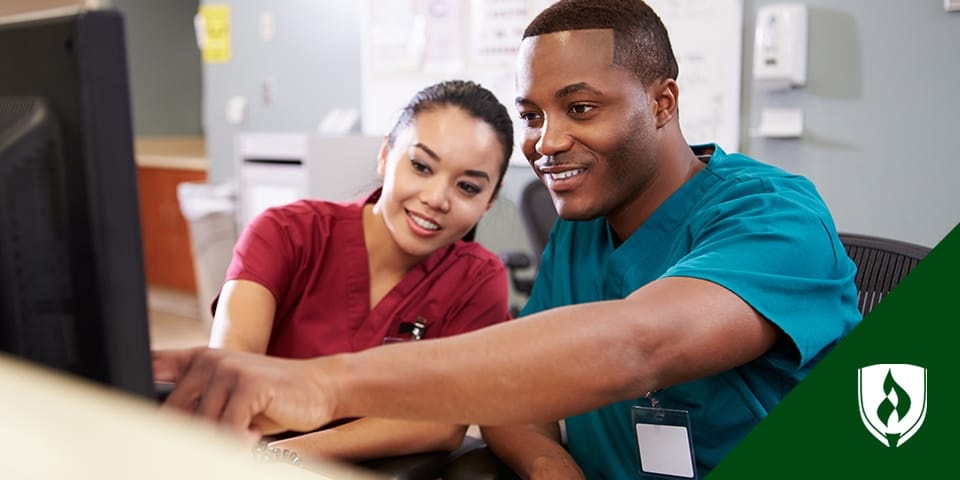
72	288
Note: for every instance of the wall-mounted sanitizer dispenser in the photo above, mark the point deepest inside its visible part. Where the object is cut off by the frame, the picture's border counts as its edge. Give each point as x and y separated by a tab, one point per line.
780	47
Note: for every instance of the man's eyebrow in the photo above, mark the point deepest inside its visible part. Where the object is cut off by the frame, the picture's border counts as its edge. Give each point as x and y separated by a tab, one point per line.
565	91
576	87
433	155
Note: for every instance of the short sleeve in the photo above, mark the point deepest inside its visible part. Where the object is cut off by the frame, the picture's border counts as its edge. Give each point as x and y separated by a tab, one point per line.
266	252
777	249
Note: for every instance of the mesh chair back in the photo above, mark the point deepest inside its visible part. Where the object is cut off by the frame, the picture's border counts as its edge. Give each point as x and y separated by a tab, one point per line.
881	264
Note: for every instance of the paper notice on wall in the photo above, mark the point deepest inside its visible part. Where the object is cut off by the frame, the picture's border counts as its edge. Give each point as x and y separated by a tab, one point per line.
496	30
443	33
395	30
212	26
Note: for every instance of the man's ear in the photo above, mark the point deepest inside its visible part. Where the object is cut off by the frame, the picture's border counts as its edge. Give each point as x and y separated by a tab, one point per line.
665	93
382	157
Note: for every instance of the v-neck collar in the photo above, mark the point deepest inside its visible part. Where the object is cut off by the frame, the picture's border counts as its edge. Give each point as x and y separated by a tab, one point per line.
672	213
366	321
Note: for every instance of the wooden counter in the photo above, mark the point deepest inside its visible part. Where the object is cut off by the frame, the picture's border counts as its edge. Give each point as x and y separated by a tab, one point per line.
177	153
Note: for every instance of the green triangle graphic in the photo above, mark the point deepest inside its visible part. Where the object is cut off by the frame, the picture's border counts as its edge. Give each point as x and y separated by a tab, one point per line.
816	432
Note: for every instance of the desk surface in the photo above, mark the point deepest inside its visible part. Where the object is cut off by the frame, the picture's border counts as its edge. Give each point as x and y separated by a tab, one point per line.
55	426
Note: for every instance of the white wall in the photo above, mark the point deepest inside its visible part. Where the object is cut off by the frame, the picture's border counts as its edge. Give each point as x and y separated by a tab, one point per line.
882	115
310	66
881	104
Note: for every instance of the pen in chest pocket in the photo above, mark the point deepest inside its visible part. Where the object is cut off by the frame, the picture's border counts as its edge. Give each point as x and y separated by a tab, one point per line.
415	328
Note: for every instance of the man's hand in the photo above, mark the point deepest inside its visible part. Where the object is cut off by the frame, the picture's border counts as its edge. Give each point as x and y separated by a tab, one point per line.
245	392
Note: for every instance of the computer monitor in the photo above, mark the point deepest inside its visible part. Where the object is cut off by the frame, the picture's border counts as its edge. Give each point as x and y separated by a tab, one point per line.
72	287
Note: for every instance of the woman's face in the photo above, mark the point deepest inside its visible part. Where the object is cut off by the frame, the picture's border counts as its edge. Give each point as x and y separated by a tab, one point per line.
438	179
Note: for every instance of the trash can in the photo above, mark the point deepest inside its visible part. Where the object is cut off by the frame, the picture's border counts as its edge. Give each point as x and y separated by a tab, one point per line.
210	211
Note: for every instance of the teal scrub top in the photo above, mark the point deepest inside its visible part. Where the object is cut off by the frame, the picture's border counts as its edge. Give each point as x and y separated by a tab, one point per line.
758	231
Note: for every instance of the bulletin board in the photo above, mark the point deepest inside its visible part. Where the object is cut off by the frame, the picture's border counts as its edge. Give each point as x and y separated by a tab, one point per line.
409	44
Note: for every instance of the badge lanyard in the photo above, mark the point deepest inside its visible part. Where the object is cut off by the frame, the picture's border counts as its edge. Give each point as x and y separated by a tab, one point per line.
664	441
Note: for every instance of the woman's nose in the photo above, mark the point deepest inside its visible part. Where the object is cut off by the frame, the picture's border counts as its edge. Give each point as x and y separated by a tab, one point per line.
436	196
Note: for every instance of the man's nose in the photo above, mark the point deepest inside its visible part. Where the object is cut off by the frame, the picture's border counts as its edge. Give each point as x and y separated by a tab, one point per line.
553	138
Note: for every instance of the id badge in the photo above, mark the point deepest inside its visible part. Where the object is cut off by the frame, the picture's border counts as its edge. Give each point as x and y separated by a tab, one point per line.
664	443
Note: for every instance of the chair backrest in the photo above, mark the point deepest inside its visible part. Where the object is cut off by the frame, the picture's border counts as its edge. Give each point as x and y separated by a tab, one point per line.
538	215
881	264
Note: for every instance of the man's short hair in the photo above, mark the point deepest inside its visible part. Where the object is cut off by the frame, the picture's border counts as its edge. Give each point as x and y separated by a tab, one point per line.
641	43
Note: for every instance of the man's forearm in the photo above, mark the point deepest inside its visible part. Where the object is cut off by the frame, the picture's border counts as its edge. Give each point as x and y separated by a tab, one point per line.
557	365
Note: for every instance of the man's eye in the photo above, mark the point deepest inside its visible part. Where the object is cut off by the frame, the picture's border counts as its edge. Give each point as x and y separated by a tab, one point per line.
581	108
529	116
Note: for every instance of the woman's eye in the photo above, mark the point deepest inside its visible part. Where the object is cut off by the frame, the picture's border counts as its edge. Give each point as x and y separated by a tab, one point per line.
419	166
469	188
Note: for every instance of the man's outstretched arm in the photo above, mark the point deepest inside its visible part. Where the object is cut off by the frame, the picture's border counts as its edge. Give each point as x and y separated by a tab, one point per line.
672	330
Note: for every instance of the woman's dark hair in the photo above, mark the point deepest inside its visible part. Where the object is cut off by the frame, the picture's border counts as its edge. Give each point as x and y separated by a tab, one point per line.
641	42
474	100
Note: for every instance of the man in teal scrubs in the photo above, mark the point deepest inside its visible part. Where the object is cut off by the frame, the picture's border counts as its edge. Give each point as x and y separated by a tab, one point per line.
643	211
739	224
681	280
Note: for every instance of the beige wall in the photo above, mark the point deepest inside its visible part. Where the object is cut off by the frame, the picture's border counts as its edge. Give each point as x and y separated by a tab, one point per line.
10	7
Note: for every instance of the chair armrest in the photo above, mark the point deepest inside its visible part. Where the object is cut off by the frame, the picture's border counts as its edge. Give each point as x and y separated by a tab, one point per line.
516	259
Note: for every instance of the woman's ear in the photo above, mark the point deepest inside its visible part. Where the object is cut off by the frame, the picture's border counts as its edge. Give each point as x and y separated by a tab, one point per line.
382	157
493	198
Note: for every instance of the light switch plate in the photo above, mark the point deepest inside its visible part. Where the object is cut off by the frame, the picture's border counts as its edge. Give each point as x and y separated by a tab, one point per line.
268	26
236	110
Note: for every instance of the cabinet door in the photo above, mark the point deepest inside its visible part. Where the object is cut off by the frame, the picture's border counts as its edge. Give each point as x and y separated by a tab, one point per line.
166	240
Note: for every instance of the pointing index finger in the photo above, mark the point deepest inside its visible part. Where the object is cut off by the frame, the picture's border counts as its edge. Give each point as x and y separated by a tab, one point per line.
170	365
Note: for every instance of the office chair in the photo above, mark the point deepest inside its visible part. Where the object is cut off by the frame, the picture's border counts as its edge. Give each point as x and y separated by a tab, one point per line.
538	216
881	264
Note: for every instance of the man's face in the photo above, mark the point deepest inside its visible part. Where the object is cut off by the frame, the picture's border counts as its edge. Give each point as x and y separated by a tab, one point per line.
589	129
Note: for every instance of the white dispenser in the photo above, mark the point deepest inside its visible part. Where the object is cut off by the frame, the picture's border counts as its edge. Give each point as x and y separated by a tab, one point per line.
780	46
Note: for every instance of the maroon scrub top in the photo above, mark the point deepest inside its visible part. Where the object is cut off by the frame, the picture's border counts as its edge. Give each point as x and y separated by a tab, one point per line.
312	257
